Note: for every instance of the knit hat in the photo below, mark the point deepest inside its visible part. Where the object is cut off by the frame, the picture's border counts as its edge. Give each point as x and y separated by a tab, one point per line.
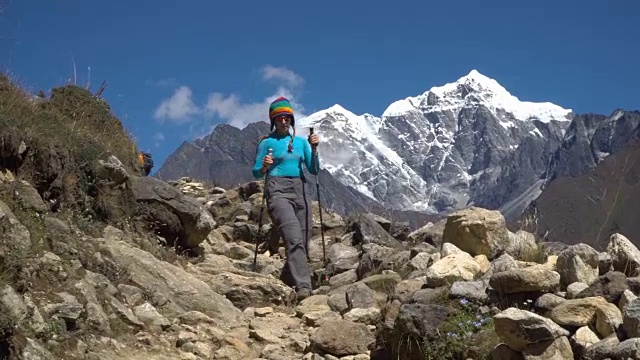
281	106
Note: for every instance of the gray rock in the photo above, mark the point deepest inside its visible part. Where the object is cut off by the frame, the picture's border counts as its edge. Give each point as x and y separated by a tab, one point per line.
631	318
604	263
578	263
347	277
476	290
168	281
625	256
151	317
367	230
575	288
520	328
69	310
13	303
603	349
420	320
582	339
504	352
184	218
342	257
245	288
533	278
427	296
112	171
503	263
377	258
330	339
522	245
97	319
125	313
28	196
477	231
610	286
559	348
19	238
133	295
547	302
35	351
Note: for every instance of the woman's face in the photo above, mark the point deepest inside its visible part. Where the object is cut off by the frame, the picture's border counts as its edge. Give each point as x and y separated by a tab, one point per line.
283	122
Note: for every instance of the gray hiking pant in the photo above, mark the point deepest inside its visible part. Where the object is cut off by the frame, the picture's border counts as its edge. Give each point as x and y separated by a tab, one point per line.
289	206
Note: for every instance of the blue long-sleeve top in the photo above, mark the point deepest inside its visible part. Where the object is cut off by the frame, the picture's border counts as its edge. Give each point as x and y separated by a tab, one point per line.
285	163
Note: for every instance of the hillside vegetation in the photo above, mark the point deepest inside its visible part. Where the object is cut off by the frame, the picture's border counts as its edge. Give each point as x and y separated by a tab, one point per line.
55	143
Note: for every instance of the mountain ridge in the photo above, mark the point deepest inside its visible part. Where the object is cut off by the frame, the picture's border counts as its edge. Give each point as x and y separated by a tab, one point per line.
440	124
464	143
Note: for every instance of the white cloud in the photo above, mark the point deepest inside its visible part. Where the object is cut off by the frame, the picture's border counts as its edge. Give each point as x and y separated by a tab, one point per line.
283	74
239	114
179	108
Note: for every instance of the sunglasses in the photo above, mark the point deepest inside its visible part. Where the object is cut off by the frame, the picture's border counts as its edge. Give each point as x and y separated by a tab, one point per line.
283	118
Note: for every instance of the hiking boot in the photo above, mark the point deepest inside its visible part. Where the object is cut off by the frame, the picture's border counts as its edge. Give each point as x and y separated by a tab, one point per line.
303	294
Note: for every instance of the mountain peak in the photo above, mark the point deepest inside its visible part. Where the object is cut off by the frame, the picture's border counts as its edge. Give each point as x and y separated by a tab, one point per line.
337	108
474	80
320	115
473	89
477	76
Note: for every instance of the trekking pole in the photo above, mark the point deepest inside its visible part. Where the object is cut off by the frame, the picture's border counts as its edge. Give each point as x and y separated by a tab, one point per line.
317	168
264	200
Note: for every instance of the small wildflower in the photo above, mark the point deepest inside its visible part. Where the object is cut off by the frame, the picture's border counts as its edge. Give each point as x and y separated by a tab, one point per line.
464	301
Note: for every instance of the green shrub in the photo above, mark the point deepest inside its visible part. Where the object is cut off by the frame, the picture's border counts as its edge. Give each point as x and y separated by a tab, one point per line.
63	138
467	333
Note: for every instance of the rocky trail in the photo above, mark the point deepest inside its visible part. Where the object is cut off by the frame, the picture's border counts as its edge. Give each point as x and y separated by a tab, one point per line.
463	288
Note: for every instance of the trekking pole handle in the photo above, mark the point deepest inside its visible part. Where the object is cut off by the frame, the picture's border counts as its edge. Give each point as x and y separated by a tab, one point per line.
315	147
269	153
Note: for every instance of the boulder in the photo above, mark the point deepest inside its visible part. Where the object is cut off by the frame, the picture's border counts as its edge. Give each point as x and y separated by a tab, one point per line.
331	338
178	217
520	328
578	263
477	231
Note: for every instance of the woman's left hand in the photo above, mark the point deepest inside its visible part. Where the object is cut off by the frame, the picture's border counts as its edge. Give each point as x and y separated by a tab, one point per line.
314	140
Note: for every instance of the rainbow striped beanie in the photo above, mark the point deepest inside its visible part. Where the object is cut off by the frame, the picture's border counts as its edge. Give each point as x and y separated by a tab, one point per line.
281	106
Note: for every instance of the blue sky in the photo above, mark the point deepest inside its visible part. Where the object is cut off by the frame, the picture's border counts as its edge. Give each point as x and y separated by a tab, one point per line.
220	61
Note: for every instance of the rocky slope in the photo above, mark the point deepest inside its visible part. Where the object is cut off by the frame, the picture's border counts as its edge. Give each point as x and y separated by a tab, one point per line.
589	188
590	139
465	287
98	262
589	206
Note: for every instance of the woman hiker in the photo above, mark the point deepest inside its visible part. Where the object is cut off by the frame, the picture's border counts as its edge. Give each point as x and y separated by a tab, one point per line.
288	202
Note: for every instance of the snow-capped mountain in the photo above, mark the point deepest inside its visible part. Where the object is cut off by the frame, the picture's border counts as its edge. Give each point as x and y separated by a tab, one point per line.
462	143
353	152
